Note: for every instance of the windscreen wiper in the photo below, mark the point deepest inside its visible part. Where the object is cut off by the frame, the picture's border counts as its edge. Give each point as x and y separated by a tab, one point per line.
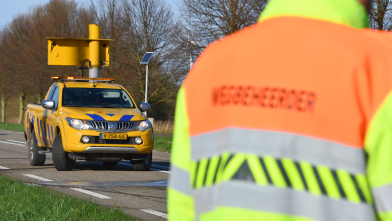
73	105
108	106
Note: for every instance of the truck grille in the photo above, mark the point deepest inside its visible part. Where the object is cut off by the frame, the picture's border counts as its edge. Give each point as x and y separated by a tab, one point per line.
111	126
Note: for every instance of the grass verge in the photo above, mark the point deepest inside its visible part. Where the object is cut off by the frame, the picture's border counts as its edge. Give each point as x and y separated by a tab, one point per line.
20	201
12	127
163	144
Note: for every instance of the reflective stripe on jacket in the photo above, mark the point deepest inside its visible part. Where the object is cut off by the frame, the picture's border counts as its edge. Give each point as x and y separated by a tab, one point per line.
289	119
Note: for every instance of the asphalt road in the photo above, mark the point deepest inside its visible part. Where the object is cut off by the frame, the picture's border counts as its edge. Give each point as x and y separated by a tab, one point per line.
141	194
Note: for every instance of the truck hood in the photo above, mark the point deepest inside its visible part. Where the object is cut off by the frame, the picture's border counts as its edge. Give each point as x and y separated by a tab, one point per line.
105	114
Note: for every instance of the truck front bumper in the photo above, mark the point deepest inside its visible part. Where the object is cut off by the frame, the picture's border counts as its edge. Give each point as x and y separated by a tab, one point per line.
73	142
99	149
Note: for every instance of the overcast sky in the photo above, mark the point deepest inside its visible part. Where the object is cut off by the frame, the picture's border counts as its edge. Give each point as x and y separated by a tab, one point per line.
11	8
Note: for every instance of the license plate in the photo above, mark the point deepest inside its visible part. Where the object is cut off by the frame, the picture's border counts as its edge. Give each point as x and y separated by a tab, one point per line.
113	136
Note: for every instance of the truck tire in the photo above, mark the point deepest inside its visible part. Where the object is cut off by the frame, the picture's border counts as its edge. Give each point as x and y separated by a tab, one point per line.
61	160
142	165
110	164
35	158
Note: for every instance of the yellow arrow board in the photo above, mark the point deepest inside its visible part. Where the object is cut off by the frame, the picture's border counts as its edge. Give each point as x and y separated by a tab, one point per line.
73	51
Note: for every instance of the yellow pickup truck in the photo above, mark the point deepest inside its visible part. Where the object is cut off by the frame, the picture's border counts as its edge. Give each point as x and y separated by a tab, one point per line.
90	119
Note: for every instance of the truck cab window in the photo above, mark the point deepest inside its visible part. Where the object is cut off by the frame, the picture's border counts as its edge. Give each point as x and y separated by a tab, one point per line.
51	91
56	97
96	98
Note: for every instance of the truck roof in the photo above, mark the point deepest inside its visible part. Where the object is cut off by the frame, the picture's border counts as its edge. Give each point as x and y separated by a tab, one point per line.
91	85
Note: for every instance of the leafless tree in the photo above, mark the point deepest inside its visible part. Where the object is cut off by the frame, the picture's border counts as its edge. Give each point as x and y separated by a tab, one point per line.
107	14
149	25
380	16
24	46
136	25
206	21
4	87
13	49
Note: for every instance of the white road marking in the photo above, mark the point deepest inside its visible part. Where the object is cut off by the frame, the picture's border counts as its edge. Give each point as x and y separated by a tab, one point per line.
12	143
163	171
15	141
6	131
20	132
91	193
4	168
160	167
164	215
37	177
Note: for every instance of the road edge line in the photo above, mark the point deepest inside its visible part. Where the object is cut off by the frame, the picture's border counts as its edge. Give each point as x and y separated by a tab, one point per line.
37	177
164	215
91	193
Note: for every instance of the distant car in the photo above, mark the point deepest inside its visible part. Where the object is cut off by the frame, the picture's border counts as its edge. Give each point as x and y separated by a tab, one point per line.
93	121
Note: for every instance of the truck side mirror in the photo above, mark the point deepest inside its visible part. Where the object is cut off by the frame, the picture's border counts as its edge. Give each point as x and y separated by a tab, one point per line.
145	106
48	104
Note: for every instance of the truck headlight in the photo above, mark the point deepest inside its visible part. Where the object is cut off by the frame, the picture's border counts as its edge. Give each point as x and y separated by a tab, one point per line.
77	124
143	125
138	140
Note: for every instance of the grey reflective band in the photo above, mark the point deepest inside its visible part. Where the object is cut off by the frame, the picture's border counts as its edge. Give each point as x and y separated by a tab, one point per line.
243	195
383	198
279	145
179	180
206	199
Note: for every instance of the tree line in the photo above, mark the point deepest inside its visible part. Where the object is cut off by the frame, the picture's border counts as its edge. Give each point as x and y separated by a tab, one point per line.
176	36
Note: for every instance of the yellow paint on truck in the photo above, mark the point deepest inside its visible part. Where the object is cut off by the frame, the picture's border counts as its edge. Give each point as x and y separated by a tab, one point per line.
97	119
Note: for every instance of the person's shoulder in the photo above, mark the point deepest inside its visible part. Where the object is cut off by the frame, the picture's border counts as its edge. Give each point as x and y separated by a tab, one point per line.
378	39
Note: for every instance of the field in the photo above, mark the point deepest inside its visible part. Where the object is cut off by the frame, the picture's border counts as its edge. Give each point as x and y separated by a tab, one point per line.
11	127
165	126
21	201
163	144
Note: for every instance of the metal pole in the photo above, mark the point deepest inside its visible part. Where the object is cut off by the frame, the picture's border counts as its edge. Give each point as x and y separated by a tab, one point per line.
145	97
94	51
93	73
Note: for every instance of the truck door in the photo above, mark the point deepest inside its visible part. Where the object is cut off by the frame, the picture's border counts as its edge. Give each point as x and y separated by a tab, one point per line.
51	117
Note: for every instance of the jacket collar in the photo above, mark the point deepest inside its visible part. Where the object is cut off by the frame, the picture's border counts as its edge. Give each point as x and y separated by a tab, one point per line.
346	12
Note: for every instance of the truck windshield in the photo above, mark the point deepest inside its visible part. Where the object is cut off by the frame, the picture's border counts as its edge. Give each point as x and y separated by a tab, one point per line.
96	97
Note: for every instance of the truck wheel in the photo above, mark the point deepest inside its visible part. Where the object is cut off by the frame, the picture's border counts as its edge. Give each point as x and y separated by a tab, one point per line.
142	165
61	160
110	164
35	158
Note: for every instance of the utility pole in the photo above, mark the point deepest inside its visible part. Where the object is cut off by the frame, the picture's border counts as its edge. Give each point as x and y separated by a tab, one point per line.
146	91
146	60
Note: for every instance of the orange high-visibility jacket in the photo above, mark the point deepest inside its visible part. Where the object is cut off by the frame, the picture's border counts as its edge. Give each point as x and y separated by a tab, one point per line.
290	119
